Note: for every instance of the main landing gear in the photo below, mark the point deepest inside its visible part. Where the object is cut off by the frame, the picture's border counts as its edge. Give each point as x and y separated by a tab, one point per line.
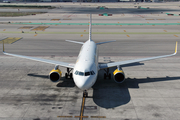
68	74
107	74
85	93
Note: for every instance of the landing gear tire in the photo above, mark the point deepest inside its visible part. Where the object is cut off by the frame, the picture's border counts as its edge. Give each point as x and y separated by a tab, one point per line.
107	74
104	75
68	74
85	93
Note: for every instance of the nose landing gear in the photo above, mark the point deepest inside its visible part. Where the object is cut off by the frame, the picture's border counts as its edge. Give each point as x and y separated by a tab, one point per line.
85	93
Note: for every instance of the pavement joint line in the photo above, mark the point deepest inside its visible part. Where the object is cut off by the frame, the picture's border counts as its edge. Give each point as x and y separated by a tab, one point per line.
43	32
23	23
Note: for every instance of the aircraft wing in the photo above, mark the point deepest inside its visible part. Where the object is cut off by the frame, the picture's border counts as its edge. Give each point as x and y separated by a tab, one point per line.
63	64
108	65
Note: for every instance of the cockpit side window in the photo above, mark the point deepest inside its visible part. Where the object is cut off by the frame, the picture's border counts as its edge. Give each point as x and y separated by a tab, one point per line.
92	73
76	72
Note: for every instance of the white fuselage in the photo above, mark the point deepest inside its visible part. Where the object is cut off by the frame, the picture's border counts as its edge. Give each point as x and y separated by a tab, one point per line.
86	68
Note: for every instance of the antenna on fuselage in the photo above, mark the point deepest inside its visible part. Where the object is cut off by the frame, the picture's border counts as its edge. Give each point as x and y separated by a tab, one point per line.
90	27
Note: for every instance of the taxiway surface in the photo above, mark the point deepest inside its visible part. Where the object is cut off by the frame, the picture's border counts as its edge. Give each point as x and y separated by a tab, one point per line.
150	91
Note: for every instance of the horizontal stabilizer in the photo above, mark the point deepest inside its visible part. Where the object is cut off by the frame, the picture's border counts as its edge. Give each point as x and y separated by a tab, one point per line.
74	41
105	42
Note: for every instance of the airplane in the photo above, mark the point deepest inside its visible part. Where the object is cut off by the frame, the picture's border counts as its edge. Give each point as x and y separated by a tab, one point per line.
85	70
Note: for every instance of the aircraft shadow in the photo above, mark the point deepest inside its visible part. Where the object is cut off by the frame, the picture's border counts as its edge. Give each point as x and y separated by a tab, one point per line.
63	82
108	94
36	75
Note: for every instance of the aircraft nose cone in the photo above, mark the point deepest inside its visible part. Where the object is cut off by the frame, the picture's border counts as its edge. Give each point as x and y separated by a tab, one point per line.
82	83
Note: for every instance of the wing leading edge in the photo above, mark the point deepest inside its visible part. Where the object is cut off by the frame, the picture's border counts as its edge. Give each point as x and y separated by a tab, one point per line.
63	64
108	65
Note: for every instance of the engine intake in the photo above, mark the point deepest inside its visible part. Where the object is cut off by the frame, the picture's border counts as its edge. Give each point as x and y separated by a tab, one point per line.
55	75
119	76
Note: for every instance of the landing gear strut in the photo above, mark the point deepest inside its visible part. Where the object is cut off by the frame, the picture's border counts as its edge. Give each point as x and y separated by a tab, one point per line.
68	74
107	74
85	93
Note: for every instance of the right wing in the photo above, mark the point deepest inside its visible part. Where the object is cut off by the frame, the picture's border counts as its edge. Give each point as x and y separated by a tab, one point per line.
108	65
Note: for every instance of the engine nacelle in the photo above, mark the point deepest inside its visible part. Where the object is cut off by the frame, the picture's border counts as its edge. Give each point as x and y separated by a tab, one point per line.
119	76
55	75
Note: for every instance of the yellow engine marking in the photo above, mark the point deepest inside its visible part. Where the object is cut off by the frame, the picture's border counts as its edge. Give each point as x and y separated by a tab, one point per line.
10	40
175	35
40	28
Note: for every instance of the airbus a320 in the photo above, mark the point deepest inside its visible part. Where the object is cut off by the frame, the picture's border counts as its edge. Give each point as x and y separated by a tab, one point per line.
85	70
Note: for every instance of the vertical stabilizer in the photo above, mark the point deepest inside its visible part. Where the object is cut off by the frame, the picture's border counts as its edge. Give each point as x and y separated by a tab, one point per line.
90	27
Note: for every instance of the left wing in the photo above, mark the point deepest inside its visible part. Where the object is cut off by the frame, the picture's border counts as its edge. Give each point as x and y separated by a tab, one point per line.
63	64
108	65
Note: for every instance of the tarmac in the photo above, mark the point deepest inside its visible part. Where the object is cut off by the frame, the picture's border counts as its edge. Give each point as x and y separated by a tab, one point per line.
150	91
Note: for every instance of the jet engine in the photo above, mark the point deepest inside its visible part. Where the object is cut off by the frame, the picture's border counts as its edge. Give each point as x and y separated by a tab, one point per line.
119	75
55	75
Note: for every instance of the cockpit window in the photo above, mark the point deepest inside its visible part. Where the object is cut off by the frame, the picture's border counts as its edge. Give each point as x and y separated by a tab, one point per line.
81	73
84	74
87	73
